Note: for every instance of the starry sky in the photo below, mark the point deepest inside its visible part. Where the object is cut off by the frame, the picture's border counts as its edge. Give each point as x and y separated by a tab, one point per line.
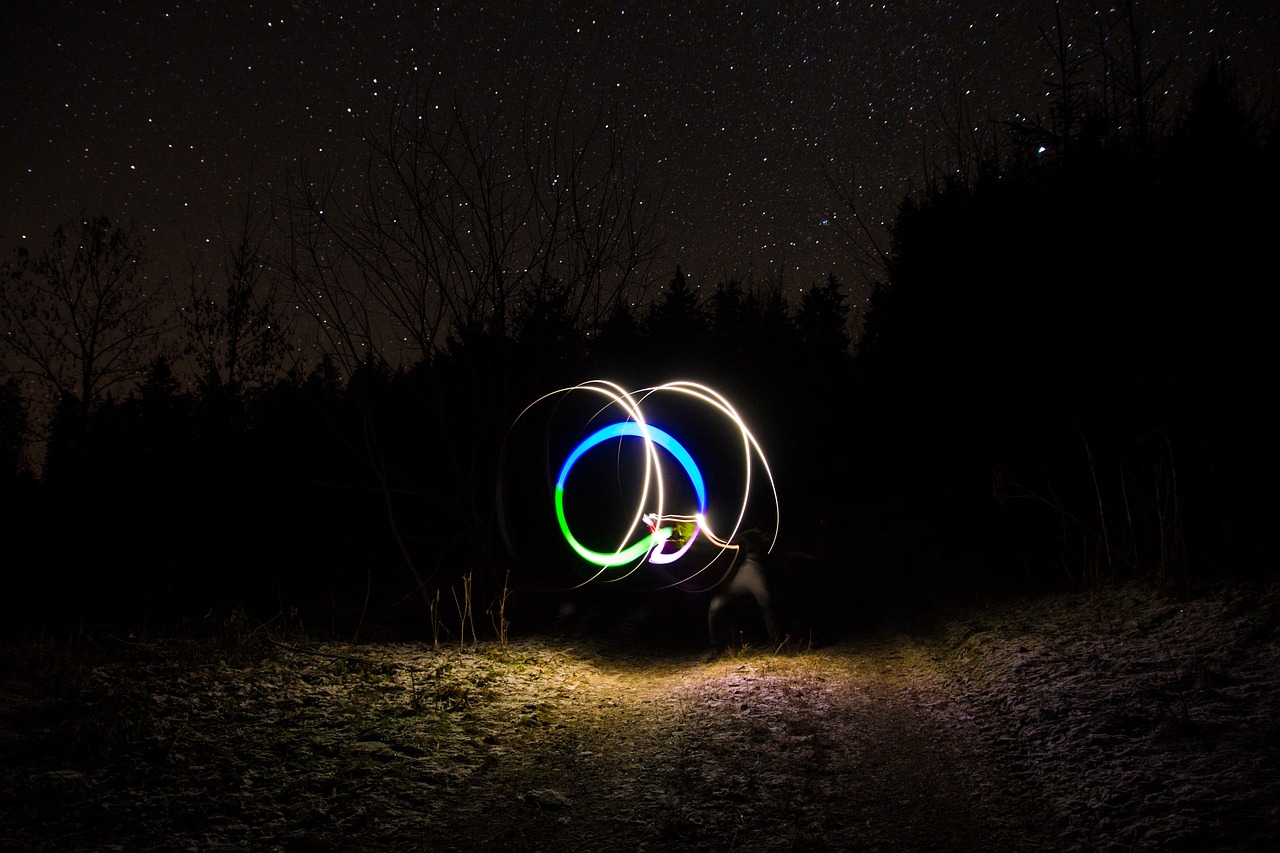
164	113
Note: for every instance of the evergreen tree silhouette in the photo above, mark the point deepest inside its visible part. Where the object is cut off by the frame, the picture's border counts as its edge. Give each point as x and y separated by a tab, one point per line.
677	318
823	319
1053	326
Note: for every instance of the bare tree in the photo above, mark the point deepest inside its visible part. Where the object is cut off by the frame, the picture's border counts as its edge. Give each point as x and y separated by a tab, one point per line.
866	243
81	317
597	223
457	222
1067	94
457	216
1142	82
235	331
1124	96
321	273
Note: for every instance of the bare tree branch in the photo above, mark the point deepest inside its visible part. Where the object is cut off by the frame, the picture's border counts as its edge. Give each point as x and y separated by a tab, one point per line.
235	329
81	317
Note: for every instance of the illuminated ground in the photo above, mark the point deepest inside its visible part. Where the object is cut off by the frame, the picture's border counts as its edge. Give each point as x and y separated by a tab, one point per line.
1054	724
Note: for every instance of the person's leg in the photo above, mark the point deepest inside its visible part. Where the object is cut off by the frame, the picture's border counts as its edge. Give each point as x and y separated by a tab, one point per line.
750	580
718	643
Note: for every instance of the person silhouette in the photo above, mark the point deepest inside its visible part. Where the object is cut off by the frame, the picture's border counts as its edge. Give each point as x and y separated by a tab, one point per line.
746	578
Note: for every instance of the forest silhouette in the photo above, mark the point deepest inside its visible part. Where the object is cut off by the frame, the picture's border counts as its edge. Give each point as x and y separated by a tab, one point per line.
1066	378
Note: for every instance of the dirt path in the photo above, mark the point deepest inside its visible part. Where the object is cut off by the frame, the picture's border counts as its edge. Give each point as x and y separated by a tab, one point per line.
1132	723
835	750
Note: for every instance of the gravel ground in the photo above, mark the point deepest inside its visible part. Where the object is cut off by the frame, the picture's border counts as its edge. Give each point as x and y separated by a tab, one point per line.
1144	723
1128	721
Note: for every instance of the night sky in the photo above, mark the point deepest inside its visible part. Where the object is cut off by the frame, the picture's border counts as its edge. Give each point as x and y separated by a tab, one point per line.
163	112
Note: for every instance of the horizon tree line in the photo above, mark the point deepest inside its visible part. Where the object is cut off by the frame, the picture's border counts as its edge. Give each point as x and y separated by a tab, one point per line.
1028	338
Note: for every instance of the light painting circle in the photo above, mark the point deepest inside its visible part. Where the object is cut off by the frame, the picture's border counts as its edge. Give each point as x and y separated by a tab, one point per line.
658	535
652	528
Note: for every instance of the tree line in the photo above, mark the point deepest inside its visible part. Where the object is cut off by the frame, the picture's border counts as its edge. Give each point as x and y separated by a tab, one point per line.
338	492
1066	374
1073	359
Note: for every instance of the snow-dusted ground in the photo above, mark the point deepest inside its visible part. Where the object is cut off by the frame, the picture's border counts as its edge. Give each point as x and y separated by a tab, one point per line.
1126	721
1145	722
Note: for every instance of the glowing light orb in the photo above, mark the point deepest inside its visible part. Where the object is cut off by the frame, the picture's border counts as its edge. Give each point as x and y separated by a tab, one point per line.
651	530
651	544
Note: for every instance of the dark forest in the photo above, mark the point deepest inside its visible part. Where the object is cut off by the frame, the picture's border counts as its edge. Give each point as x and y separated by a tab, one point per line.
1066	378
